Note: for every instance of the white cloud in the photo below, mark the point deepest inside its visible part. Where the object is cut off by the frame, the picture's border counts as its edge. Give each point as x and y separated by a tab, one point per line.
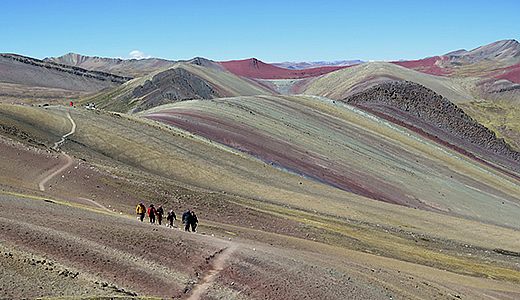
138	55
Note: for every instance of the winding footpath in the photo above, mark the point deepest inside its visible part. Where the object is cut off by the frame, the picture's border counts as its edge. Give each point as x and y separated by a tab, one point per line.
72	131
216	266
69	162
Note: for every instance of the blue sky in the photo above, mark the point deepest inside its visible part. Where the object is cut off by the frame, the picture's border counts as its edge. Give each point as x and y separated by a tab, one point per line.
272	31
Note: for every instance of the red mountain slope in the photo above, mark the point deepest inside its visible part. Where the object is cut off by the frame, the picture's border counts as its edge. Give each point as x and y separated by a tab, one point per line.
430	65
512	73
254	68
499	60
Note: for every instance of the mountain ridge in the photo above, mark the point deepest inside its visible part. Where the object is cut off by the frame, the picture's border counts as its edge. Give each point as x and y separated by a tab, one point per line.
98	75
496	60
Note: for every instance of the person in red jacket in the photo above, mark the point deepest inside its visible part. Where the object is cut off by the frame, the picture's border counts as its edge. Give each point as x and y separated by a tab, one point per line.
151	213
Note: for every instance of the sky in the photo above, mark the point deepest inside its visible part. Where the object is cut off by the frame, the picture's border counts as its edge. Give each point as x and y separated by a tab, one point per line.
271	31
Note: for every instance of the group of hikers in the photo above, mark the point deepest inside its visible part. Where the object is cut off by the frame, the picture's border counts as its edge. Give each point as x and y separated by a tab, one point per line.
87	105
189	218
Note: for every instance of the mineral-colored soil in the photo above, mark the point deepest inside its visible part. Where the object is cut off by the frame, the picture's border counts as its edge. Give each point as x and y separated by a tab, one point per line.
253	68
79	237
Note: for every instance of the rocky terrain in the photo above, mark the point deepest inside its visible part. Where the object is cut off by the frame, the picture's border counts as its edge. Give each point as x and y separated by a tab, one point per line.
492	103
33	81
417	102
184	81
170	86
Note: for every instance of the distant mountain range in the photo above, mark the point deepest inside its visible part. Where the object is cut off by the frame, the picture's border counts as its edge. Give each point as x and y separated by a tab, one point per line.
316	64
490	72
500	60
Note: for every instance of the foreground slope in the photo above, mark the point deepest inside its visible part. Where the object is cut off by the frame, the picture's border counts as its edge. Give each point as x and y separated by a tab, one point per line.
265	221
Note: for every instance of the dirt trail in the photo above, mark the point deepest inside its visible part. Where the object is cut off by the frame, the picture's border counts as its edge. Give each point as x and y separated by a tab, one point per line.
95	203
72	131
216	265
69	162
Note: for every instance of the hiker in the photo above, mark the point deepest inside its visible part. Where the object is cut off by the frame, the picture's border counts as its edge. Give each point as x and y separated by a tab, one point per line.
184	215
159	212
187	221
71	103
151	214
193	221
171	216
140	210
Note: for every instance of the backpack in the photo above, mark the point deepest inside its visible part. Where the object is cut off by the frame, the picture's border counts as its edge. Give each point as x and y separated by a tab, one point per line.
151	211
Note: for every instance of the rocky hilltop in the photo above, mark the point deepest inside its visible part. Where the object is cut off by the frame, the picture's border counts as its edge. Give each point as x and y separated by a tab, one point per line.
170	86
420	107
254	68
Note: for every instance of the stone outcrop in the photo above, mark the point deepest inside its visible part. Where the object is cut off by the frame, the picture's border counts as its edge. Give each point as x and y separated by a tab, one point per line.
421	103
170	86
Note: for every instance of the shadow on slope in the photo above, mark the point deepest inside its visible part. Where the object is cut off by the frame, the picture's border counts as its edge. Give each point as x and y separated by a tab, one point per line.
29	80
